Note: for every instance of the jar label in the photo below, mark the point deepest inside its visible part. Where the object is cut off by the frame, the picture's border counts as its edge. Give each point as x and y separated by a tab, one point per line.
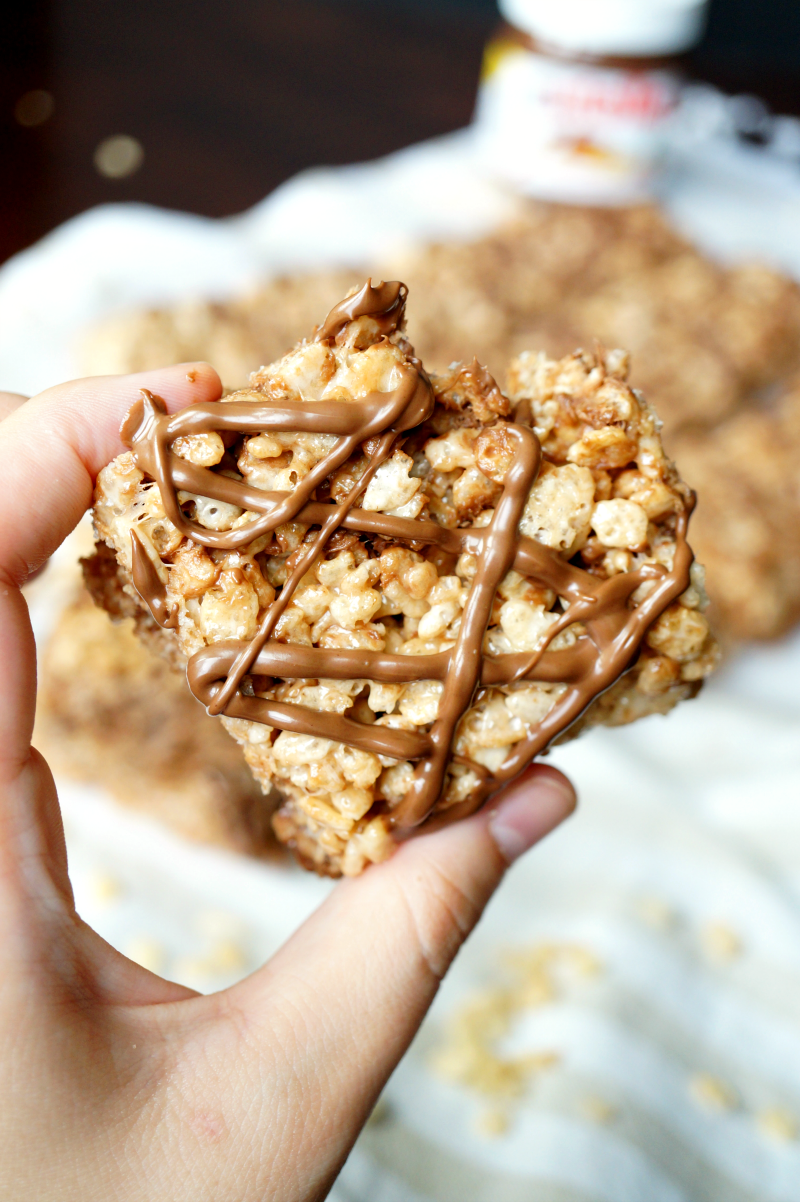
572	130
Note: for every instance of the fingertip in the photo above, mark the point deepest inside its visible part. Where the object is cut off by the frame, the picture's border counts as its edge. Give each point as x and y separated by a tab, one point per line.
529	809
55	444
90	412
178	385
202	379
519	816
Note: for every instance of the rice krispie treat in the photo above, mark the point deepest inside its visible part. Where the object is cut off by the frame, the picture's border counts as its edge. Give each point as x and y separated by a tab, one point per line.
748	534
112	714
707	341
235	335
703	336
397	589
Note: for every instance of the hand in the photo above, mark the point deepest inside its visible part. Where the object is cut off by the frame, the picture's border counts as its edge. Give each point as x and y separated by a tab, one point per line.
117	1084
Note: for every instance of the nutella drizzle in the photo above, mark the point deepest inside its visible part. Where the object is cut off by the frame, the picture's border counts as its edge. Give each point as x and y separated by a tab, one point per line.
613	630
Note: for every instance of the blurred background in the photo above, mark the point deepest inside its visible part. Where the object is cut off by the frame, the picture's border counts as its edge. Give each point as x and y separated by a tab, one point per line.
225	101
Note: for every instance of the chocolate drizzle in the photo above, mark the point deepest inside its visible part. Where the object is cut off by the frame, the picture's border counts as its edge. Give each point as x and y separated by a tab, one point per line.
385	304
613	627
147	583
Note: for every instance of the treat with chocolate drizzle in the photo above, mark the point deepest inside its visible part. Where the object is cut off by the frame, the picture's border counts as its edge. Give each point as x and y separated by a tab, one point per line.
396	590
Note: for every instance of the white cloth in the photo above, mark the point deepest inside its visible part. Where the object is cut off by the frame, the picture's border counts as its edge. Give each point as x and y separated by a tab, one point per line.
698	813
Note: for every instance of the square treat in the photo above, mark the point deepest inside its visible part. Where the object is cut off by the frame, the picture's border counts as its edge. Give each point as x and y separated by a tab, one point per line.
397	589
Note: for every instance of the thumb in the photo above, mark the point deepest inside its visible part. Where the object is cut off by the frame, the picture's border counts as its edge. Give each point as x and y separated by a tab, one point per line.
359	975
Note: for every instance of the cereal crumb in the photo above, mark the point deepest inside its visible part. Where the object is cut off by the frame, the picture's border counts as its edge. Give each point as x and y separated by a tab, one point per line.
105	889
218	924
189	968
720	942
491	1124
146	952
583	962
712	1093
597	1109
470	1052
226	957
778	1124
656	913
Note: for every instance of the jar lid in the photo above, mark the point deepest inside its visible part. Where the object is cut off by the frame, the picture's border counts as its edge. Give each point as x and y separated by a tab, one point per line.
639	28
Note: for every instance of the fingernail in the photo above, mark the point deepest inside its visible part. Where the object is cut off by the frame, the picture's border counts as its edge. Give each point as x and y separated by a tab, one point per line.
534	808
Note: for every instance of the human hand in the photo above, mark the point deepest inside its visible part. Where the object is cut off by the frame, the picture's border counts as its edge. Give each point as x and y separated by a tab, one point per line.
118	1084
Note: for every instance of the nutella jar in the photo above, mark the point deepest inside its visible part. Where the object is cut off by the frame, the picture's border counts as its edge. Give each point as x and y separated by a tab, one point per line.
576	95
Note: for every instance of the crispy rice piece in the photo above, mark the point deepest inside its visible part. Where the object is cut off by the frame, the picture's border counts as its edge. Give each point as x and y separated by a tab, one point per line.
111	713
411	563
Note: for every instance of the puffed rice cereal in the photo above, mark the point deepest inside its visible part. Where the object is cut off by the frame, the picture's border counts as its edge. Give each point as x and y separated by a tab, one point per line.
398	589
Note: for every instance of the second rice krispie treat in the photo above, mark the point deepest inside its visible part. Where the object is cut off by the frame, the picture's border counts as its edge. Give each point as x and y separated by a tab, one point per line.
746	474
111	713
704	338
398	589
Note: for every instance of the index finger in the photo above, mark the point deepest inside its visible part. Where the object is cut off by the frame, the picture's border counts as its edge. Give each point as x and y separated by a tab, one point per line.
53	446
51	449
